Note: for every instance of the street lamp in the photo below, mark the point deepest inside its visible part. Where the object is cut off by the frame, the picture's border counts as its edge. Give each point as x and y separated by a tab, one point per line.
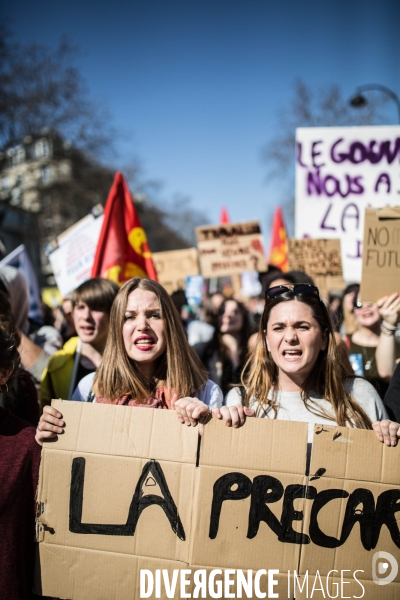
359	100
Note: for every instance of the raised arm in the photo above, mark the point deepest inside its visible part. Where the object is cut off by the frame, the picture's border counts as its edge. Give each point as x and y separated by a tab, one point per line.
389	308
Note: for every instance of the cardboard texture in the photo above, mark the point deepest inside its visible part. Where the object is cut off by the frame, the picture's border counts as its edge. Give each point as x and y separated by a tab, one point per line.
129	489
321	259
381	253
173	267
230	249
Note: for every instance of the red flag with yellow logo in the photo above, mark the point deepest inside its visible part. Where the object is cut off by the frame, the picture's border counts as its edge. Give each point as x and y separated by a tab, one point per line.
278	254
122	251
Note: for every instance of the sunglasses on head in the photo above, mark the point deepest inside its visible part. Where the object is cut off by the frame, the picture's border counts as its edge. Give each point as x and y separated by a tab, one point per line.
296	289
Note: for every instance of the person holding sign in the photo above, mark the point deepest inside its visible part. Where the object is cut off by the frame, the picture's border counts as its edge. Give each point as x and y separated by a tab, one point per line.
147	362
374	343
298	372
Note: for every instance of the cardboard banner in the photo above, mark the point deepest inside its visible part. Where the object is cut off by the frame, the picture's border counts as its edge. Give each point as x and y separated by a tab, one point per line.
71	255
381	253
230	249
321	259
174	266
339	172
127	508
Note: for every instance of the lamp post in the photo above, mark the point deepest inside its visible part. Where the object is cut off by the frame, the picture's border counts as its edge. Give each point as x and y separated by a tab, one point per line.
359	100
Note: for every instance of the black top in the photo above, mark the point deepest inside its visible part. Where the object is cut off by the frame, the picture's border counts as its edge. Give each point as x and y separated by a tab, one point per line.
392	396
220	368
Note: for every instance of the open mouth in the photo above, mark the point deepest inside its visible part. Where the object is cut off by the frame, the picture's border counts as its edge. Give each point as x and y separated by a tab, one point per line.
87	330
292	354
144	343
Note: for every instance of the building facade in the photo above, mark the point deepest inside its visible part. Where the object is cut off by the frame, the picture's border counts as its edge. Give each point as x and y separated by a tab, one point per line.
46	186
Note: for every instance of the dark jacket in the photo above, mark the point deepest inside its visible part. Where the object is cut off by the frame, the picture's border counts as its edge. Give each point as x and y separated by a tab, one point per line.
392	396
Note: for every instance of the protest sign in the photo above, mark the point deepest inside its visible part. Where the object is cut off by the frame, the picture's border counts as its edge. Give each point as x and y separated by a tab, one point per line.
194	289
339	172
127	506
174	266
321	259
381	253
251	285
230	249
19	259
71	255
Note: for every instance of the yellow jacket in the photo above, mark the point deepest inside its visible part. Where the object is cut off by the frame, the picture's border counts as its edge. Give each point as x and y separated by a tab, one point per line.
56	377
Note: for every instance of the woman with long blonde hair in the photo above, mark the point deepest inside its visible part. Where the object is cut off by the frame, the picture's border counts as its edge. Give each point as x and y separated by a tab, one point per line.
147	362
297	371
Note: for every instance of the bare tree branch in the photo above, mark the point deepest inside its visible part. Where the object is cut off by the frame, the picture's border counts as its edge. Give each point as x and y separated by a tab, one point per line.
42	89
324	107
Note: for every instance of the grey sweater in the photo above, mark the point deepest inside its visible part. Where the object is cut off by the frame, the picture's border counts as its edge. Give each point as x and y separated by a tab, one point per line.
292	407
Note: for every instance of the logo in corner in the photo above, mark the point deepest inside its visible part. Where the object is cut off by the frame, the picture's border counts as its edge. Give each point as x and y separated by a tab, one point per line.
380	565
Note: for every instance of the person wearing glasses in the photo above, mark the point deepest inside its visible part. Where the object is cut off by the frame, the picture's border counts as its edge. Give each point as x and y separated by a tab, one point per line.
373	346
297	371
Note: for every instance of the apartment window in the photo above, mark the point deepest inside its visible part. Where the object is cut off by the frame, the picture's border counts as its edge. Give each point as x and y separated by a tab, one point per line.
46	174
42	148
19	155
15	197
5	183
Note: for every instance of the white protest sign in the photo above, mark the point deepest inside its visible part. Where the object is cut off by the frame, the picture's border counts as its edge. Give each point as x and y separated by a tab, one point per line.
251	285
194	289
340	171
19	258
72	260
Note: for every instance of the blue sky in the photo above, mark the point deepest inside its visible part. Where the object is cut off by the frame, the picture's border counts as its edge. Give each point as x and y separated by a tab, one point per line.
195	85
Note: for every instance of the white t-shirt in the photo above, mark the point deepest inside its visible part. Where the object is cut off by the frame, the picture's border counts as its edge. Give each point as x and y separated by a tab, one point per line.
292	407
210	394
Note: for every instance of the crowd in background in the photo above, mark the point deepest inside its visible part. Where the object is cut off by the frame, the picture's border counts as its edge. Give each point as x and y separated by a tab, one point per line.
137	346
69	342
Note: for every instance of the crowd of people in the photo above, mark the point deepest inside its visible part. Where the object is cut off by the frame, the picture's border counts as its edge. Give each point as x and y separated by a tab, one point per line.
291	354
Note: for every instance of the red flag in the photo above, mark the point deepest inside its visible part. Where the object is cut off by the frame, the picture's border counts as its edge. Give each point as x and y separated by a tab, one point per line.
122	250
278	254
224	217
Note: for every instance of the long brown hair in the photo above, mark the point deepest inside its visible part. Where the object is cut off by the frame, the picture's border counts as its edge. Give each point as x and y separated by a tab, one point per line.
327	377
243	335
178	369
9	355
